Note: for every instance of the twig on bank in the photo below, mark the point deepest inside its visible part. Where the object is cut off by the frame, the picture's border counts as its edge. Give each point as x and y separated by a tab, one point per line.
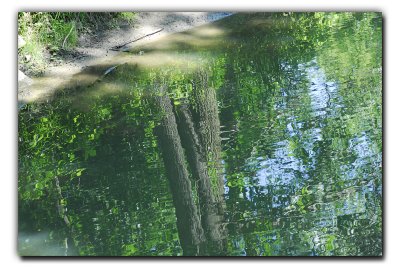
116	48
65	39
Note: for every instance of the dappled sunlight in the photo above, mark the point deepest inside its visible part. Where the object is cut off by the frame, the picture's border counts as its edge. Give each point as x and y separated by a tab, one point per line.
171	60
115	83
44	88
204	37
209	32
261	23
181	42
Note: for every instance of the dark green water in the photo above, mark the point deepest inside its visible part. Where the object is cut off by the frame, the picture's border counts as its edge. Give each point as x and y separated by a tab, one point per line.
257	135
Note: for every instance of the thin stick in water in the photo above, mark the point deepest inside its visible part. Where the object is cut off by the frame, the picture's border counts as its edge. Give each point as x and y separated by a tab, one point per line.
137	39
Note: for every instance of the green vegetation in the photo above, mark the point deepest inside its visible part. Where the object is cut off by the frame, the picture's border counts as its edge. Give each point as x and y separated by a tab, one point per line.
296	138
49	35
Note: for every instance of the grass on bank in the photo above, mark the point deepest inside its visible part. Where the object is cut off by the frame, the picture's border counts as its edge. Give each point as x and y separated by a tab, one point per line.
48	35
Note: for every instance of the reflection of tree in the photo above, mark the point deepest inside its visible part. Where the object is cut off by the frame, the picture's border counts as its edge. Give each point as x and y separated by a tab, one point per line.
253	96
188	220
203	149
119	207
200	232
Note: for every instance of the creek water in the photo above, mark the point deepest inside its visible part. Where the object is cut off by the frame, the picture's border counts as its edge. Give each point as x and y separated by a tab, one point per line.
256	135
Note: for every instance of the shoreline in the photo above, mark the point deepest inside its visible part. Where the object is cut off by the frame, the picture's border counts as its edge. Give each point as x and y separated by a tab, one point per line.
97	48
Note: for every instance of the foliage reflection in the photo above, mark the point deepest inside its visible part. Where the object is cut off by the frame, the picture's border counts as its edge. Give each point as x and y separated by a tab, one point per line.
271	148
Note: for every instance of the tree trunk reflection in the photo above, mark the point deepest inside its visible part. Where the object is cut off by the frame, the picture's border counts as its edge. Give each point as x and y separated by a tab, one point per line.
193	136
188	220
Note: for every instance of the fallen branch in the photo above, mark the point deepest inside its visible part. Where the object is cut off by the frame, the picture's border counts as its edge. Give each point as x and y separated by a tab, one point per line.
137	39
65	39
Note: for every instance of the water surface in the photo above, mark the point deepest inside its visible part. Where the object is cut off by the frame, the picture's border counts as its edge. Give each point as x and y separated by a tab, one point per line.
257	135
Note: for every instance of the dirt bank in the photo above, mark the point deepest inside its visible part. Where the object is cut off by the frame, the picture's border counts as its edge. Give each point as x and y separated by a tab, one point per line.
95	47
